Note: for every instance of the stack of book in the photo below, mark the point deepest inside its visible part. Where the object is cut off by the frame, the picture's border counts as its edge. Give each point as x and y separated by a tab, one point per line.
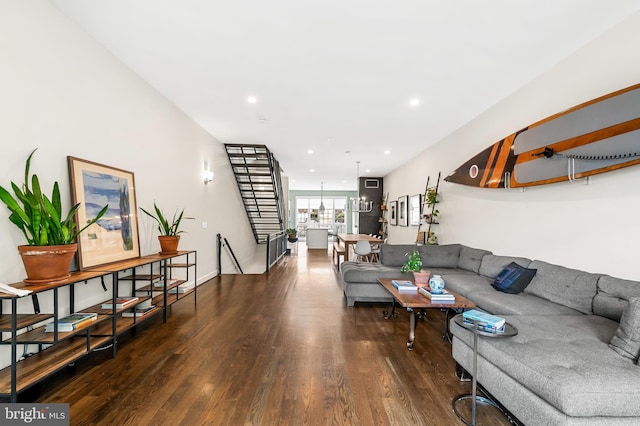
444	297
404	286
72	322
121	303
139	311
183	288
169	282
484	321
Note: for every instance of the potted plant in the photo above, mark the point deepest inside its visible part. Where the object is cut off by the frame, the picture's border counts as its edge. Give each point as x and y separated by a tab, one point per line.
50	235
169	231
291	233
414	264
432	199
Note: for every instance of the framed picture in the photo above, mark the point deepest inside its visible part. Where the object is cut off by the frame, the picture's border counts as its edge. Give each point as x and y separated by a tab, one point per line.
393	213
414	209
115	236
403	210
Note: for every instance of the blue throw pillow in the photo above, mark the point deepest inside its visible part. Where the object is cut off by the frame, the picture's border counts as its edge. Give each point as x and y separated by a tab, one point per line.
513	279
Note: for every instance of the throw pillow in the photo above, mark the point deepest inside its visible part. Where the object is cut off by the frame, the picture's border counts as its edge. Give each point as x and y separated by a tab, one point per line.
626	341
513	278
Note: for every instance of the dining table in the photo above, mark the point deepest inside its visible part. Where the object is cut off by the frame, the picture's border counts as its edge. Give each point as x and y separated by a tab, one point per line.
349	239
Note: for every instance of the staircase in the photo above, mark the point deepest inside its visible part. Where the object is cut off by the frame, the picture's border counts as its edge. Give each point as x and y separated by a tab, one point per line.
258	175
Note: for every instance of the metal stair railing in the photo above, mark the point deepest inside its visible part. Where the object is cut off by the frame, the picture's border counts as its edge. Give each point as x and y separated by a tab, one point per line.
257	174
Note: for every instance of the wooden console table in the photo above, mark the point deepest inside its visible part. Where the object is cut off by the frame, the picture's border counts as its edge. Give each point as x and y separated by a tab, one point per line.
156	286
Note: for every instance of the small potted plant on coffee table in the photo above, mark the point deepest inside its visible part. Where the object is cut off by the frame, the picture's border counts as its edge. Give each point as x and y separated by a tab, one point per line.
414	264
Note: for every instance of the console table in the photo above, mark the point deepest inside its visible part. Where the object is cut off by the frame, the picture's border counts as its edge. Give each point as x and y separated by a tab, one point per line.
156	284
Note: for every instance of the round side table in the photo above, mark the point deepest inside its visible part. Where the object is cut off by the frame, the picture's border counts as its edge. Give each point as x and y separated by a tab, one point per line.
509	331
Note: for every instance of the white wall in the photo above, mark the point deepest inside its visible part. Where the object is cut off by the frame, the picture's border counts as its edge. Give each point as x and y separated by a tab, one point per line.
66	95
591	227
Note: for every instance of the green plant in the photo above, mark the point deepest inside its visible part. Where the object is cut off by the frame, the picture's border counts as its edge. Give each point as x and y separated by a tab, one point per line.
432	199
291	231
164	226
40	218
413	264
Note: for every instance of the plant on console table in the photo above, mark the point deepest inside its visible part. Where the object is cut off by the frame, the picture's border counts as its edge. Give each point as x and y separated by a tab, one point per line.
169	237
414	264
50	236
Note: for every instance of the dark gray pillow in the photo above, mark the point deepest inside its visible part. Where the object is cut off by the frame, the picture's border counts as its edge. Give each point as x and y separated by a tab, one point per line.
626	341
513	278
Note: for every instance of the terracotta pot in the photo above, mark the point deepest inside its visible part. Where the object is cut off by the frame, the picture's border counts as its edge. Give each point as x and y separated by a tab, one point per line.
47	264
422	278
169	244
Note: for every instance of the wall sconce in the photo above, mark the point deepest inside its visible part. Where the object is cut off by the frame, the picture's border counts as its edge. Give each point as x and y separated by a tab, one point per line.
207	174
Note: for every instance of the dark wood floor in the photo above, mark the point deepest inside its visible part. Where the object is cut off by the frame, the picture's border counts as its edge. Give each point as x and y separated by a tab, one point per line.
276	349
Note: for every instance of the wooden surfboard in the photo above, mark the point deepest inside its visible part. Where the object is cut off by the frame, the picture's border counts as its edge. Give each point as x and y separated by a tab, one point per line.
591	138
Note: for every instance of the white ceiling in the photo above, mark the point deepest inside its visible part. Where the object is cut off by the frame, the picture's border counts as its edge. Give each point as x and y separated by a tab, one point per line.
337	76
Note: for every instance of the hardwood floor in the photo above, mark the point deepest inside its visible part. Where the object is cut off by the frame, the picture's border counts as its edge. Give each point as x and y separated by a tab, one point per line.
276	349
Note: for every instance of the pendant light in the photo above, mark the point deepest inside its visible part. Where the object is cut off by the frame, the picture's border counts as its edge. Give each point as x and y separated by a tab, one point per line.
321	208
360	205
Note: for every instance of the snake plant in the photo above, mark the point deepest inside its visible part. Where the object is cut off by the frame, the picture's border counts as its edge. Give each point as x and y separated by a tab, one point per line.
164	226
39	217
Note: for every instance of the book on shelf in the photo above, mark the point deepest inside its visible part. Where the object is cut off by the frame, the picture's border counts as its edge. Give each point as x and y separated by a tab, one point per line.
405	286
139	311
445	296
183	288
160	283
484	327
121	302
483	318
72	322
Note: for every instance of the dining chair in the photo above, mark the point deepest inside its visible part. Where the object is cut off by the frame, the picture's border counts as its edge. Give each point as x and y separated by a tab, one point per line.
375	251
362	250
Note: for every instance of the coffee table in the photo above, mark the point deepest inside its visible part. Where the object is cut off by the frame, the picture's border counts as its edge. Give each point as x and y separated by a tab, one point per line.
413	301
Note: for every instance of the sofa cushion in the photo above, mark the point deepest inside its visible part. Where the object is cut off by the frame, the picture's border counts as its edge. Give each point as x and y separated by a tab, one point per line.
613	295
436	256
570	287
466	282
626	341
470	258
492	265
365	272
396	254
566	361
499	303
513	279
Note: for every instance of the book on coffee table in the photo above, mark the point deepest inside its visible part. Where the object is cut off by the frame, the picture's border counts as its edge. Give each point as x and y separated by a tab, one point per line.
445	296
405	286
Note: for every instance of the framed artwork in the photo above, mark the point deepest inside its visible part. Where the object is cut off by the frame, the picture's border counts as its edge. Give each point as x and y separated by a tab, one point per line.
403	210
115	236
414	209
393	213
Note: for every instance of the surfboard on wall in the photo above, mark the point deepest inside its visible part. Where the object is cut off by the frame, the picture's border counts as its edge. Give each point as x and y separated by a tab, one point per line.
591	138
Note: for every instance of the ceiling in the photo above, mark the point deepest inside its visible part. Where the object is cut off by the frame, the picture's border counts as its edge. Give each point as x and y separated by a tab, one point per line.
338	76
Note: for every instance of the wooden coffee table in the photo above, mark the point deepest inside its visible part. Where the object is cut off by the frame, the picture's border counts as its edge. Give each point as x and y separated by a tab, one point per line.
413	301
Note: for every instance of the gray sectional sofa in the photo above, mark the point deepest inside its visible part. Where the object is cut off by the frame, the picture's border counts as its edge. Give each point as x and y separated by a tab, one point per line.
574	360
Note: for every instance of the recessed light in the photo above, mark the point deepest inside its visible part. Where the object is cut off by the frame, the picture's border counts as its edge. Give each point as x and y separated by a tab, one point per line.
367	171
252	99
309	151
311	170
387	152
414	102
